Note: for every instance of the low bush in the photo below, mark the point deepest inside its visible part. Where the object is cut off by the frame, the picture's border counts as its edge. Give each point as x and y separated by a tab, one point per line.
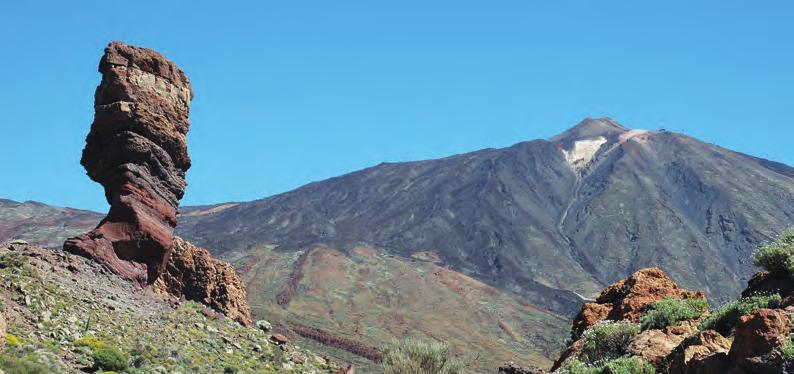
620	365
607	341
110	358
670	311
13	340
725	318
411	356
15	364
777	258
90	342
11	260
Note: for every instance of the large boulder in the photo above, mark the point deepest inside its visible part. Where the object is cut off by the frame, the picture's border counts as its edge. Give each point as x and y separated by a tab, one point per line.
755	338
653	346
703	353
137	151
193	274
627	299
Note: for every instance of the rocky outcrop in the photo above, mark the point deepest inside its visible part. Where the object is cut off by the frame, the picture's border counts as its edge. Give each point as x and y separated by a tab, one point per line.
137	151
628	298
703	353
754	345
653	346
755	339
193	274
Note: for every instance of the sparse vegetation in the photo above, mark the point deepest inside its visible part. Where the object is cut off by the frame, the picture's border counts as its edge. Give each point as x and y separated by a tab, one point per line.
671	310
607	341
777	258
725	318
620	365
411	356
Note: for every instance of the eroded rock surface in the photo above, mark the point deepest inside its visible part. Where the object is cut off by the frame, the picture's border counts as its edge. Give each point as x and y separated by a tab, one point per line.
194	274
137	151
628	298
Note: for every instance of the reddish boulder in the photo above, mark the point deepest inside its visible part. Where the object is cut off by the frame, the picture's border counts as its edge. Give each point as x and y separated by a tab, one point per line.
627	299
703	353
192	273
756	336
137	151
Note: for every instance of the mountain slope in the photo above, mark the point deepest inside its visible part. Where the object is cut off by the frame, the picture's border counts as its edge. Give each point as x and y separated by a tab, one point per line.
42	224
544	219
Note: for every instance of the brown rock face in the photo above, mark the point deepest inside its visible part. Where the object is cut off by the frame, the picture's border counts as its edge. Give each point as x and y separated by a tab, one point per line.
627	299
137	151
653	346
703	353
756	335
194	274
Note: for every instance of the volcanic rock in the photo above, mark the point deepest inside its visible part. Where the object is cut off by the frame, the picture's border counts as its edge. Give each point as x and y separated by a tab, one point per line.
703	353
628	298
137	151
755	336
655	345
192	273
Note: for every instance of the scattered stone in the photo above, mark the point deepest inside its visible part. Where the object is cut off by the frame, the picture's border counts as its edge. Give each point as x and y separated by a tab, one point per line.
278	339
297	358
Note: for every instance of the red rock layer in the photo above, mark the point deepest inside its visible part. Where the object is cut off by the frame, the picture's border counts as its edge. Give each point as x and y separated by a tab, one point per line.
137	151
194	274
628	298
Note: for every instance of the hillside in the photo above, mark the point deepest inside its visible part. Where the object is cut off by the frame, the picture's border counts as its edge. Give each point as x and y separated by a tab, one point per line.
60	309
42	224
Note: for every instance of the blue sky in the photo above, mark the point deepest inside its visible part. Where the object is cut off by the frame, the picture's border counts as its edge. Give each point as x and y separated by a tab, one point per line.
289	92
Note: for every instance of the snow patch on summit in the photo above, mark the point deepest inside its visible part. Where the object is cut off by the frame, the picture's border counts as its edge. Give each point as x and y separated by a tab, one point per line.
583	152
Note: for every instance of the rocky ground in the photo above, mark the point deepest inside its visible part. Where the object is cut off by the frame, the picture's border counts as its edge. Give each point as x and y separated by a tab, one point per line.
60	310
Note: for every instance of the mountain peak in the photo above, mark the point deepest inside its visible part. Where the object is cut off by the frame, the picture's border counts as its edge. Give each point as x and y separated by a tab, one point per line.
591	128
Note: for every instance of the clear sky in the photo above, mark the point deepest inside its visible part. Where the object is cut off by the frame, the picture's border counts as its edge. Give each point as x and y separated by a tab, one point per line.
289	92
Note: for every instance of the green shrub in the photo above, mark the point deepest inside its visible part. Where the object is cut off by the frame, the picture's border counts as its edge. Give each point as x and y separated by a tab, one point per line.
620	365
670	311
90	342
777	258
725	318
412	356
11	363
607	341
110	358
13	340
11	260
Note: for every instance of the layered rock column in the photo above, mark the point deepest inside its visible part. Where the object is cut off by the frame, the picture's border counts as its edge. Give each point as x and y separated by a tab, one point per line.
137	151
